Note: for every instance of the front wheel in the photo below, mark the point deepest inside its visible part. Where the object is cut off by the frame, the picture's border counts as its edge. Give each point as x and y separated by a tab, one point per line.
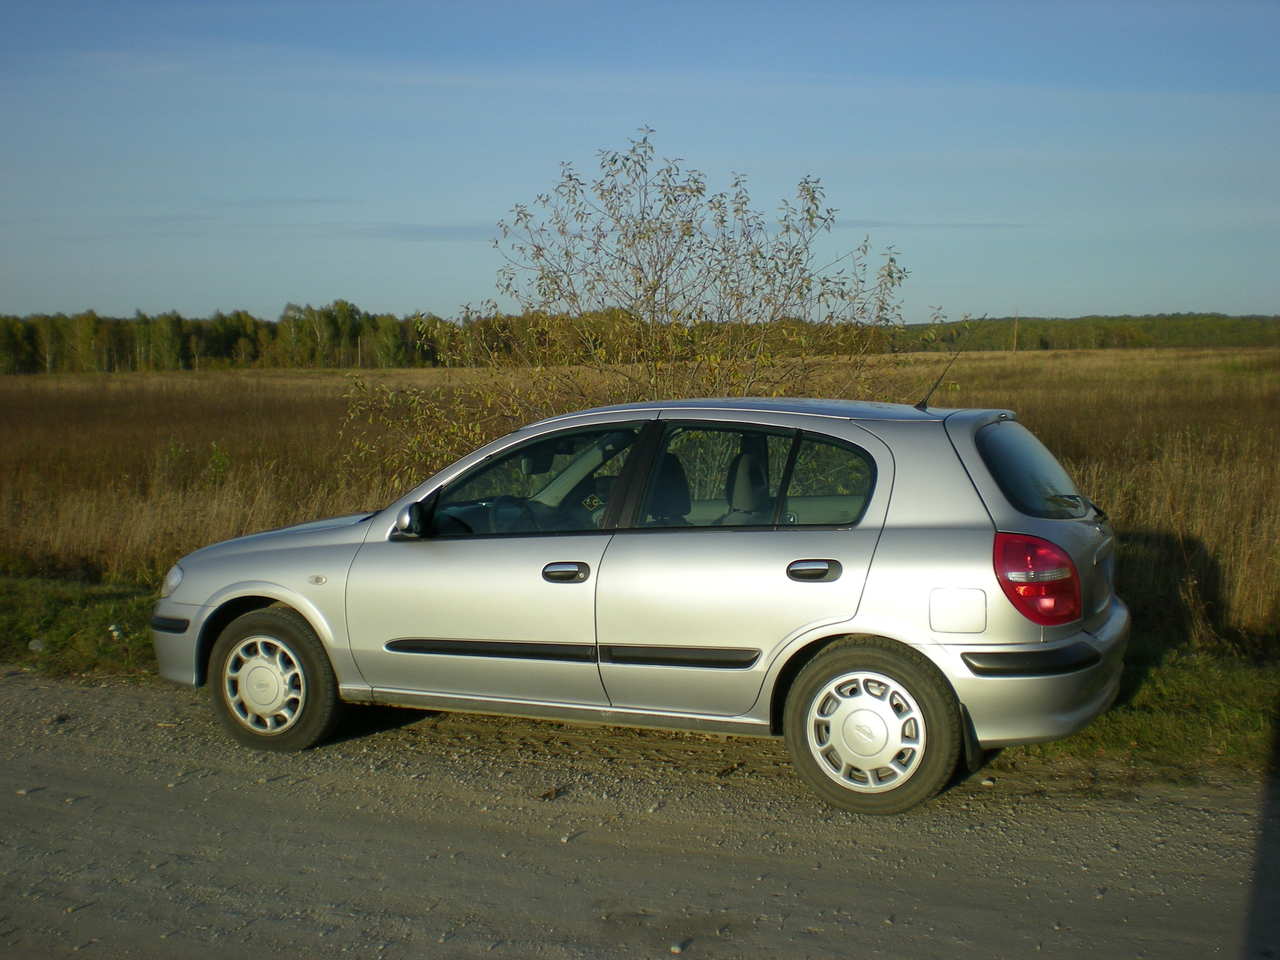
872	726
273	687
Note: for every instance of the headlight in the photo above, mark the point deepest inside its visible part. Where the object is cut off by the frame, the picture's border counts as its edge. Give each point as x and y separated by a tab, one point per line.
171	580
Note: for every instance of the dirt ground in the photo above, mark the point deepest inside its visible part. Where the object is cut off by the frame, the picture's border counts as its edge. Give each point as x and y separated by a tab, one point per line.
132	827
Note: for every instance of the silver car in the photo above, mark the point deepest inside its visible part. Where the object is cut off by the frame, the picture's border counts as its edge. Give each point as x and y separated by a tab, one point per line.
894	590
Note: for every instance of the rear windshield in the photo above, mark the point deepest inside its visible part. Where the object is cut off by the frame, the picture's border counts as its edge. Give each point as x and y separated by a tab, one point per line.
1031	479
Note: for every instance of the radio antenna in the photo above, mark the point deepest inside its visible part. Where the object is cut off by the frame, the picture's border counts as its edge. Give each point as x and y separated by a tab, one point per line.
923	405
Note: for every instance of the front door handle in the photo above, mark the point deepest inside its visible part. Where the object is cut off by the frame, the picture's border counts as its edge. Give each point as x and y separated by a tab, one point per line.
814	571
565	571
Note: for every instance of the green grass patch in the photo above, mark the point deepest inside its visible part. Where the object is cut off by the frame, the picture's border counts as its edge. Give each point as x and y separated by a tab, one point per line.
63	626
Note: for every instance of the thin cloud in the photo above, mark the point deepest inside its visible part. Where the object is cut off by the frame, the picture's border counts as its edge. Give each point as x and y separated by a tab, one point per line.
427	232
255	203
163	219
917	225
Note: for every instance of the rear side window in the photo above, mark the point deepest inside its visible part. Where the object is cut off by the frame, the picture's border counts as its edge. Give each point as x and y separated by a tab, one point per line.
830	484
1030	477
718	475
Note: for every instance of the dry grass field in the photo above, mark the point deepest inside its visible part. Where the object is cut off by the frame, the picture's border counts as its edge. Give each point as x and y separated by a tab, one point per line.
107	479
112	477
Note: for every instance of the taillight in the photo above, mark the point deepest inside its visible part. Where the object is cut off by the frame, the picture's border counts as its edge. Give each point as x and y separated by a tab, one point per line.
1039	579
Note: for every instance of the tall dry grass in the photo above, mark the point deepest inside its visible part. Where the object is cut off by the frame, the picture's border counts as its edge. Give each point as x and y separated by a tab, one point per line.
115	476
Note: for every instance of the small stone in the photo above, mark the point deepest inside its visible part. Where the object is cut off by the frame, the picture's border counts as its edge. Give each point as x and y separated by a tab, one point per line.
679	946
988	781
36	645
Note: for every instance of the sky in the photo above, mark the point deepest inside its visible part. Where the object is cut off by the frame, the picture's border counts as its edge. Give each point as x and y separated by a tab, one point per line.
1038	158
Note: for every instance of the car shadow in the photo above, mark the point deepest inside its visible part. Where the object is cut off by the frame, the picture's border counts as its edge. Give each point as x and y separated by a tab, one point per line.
368	719
1173	585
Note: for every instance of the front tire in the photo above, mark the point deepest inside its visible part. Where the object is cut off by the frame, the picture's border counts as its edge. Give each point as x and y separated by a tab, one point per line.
272	684
872	726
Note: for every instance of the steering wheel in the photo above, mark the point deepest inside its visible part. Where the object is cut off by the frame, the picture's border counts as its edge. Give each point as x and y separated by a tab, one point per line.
504	504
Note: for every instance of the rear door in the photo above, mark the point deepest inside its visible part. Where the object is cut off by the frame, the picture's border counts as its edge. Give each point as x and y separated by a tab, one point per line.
744	536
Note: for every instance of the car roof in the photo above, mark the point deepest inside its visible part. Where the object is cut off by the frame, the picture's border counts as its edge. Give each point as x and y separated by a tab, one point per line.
842	409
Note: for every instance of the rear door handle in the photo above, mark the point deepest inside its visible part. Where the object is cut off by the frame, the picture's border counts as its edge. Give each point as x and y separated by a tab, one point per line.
814	571
566	571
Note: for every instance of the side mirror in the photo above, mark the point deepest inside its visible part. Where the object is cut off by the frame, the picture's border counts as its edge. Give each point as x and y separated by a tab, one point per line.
415	519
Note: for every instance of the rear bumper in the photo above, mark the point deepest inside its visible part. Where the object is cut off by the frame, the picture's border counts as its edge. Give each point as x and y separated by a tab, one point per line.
1015	695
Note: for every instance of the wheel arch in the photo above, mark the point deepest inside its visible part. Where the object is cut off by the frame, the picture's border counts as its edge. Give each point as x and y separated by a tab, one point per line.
237	606
801	657
217	621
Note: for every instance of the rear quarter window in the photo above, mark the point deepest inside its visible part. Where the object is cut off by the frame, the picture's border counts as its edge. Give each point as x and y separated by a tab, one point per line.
1029	475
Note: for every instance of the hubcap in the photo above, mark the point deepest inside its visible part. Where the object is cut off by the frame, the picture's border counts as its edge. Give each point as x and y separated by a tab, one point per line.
866	731
264	685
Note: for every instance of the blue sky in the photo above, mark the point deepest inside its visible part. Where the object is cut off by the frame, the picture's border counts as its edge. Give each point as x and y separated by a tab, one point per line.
1043	158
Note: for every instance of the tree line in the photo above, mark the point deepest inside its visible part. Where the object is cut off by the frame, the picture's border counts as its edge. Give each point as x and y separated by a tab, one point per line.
341	335
337	335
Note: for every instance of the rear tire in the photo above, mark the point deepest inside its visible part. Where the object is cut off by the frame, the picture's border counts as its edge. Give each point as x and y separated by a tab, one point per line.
872	726
272	685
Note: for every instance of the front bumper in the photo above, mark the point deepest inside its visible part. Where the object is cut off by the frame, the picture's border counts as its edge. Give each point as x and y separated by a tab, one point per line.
175	634
1018	695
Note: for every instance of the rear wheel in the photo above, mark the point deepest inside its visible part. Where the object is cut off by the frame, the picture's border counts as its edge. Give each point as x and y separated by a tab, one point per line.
273	687
872	726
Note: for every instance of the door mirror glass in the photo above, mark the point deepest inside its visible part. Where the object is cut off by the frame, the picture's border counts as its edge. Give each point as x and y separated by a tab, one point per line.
414	520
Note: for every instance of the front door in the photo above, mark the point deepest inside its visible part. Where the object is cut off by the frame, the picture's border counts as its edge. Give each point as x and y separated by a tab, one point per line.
479	616
498	599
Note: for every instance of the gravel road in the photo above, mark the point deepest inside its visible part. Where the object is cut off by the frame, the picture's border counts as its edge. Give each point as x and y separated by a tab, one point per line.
133	828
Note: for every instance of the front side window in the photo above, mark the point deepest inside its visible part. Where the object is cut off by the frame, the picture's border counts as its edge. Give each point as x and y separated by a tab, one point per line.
559	484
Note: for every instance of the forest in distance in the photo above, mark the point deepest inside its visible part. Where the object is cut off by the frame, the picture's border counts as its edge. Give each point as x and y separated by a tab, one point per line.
340	335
